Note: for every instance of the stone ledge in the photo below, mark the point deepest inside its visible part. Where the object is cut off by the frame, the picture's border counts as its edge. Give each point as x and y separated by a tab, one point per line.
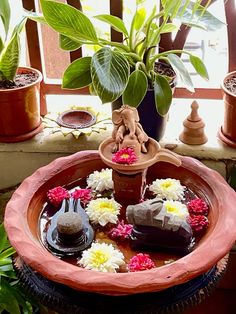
19	160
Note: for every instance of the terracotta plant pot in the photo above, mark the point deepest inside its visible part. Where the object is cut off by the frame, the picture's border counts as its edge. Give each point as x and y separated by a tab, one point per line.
20	110
24	209
227	132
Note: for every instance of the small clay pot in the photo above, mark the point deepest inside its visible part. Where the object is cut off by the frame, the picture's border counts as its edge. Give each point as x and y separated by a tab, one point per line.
25	207
227	133
20	110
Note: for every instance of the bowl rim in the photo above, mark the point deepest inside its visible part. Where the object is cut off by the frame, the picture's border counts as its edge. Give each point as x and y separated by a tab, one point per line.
205	256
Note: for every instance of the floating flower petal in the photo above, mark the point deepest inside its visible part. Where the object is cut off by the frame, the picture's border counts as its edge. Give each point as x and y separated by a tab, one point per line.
57	195
140	262
125	156
121	232
198	223
169	189
103	211
176	208
85	195
100	180
197	207
102	257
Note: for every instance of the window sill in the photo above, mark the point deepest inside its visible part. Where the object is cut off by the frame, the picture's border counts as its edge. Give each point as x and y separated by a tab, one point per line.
18	160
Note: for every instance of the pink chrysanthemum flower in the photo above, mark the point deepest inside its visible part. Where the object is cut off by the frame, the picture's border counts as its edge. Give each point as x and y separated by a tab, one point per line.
198	223
140	262
85	195
57	195
121	231
125	156
197	207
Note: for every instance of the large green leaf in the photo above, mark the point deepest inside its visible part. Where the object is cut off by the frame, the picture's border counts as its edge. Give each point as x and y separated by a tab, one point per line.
201	18
179	67
110	73
114	21
77	74
68	21
199	66
68	44
163	95
5	14
135	89
139	18
9	60
169	28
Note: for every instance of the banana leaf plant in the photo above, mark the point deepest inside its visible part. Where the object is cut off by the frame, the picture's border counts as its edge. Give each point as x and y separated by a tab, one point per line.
9	44
127	69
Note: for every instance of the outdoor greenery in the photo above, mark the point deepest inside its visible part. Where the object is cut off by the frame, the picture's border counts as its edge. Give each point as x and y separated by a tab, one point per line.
12	298
127	69
9	43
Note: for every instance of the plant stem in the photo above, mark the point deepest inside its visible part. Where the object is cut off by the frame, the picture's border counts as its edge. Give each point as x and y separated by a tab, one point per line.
165	53
113	44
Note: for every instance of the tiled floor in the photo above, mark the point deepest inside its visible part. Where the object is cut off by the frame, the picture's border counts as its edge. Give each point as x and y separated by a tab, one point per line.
222	301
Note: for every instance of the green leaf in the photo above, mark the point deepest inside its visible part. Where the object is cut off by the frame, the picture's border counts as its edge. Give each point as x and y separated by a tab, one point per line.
8	301
135	89
162	94
68	44
9	60
201	18
199	66
5	14
114	21
1	45
77	74
139	18
68	21
169	28
179	67
4	243
110	73
6	253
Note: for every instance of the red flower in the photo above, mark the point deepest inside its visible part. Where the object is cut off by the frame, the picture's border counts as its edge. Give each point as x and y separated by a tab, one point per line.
57	195
140	262
197	207
121	231
85	195
198	223
125	156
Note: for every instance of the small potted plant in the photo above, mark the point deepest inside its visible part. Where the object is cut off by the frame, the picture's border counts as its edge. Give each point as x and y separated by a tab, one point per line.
19	86
129	69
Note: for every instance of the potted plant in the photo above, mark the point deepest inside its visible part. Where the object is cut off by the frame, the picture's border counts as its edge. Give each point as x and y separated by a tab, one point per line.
19	86
227	132
129	69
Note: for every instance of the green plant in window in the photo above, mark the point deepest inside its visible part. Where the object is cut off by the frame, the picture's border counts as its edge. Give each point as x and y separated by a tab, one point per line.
9	43
128	68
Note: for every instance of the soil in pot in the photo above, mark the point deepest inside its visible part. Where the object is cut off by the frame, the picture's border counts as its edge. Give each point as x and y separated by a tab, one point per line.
230	84
21	80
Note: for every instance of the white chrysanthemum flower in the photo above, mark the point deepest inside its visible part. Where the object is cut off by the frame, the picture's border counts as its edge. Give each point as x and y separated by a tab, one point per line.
103	210
102	257
177	209
170	189
100	180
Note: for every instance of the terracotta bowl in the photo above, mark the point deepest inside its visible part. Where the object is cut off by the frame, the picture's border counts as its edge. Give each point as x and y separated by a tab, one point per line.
24	209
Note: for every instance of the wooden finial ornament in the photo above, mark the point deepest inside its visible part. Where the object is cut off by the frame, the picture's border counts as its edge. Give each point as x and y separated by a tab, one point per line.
193	132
